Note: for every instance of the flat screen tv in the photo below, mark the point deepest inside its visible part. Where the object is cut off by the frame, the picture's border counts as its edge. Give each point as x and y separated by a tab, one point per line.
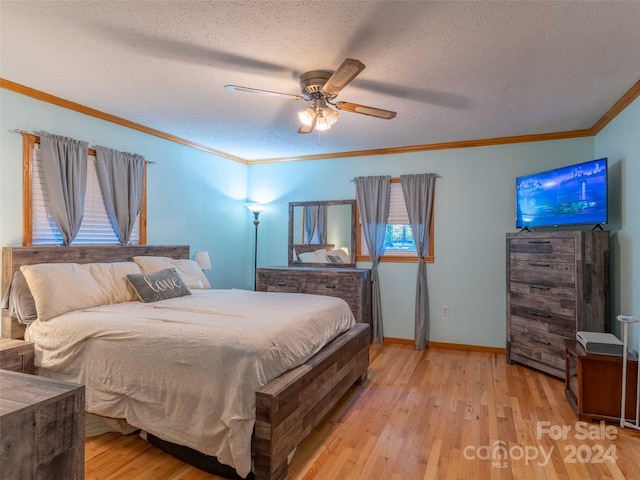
571	195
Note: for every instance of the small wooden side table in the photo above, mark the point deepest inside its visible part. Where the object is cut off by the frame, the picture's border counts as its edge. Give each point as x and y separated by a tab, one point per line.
42	423
16	355
593	384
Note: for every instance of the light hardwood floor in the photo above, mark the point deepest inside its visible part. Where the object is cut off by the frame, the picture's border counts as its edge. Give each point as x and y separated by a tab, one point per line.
431	414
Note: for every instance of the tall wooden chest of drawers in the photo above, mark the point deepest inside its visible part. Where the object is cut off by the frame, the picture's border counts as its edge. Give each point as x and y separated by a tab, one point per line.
351	284
557	284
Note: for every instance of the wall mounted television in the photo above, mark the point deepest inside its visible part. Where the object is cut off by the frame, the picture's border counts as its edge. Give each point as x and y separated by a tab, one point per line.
571	195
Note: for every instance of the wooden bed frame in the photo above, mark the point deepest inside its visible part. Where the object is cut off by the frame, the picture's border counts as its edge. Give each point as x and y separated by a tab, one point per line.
287	408
312	247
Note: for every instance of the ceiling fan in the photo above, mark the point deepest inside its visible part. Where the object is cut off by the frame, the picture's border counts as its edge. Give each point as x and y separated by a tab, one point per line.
321	87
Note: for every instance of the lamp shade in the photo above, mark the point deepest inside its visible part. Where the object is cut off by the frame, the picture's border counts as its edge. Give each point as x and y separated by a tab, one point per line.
255	207
202	259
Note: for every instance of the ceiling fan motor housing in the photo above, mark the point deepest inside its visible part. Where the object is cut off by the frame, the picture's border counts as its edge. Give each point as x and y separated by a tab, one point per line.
311	83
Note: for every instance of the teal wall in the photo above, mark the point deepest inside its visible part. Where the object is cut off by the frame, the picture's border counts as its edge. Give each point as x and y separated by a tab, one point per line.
620	142
193	198
196	198
474	208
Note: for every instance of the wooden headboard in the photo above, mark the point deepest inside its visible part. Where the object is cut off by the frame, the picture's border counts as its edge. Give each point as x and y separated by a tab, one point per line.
312	247
14	257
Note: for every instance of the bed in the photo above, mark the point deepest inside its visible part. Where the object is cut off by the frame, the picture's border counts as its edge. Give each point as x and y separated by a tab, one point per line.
286	407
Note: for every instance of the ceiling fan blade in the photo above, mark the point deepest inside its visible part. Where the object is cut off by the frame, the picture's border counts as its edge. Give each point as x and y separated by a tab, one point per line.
266	93
347	71
364	110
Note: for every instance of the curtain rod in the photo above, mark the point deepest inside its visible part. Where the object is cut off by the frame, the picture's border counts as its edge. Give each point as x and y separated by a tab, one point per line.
21	132
437	176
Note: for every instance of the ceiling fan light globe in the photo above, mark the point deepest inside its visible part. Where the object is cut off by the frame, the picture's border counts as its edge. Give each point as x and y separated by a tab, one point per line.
330	115
322	124
306	116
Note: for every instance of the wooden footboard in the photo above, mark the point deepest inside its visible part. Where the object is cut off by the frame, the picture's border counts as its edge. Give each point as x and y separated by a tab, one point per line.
290	406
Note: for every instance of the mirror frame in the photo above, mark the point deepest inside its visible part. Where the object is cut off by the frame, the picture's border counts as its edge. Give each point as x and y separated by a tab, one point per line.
352	253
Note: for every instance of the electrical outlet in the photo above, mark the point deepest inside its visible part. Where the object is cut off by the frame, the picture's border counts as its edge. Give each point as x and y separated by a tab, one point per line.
445	310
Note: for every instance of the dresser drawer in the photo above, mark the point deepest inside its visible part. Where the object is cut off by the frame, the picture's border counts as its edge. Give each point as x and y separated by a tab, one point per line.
533	340
542	272
278	282
334	285
544	322
542	250
559	301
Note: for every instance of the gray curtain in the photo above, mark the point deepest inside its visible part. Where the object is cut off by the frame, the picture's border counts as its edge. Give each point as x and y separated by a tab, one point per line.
372	194
315	223
418	193
121	179
64	169
310	221
322	223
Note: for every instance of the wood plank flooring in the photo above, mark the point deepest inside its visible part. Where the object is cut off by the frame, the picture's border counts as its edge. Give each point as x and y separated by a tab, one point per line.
431	414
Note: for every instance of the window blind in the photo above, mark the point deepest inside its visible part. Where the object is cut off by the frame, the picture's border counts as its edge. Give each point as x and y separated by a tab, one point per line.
95	228
397	207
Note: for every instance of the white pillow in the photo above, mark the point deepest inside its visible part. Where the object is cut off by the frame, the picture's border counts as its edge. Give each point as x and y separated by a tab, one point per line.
59	288
313	257
189	270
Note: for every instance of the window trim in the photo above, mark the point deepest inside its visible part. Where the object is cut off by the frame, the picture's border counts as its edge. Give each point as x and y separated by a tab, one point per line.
28	143
360	257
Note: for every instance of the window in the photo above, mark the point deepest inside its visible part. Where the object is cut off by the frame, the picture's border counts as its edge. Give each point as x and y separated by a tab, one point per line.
399	237
39	227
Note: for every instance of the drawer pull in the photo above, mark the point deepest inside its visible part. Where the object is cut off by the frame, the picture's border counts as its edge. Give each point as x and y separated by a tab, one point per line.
330	285
281	283
545	315
540	287
539	241
542	342
539	264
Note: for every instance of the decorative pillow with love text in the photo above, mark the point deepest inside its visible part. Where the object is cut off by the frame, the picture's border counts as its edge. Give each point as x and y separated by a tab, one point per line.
161	285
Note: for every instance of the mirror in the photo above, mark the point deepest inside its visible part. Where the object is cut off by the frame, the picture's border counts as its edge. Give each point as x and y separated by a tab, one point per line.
322	233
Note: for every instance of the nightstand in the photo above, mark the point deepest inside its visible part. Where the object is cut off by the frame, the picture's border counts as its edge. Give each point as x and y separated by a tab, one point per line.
593	384
16	355
42	423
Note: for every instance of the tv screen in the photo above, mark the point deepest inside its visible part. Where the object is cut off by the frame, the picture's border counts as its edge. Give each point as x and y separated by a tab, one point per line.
572	195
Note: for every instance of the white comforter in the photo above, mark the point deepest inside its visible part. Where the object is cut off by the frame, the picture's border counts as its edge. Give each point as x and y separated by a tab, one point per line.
186	369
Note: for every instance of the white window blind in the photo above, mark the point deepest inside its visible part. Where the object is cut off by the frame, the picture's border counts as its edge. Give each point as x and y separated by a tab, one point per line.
95	228
397	207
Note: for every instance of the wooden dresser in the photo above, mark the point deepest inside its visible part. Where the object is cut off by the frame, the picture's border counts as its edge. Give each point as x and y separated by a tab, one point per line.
557	284
42	424
351	284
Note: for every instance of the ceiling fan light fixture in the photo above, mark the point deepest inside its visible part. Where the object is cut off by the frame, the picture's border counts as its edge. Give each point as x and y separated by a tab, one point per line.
306	116
322	124
330	115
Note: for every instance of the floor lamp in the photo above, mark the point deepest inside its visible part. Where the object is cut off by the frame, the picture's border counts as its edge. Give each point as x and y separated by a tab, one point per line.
255	208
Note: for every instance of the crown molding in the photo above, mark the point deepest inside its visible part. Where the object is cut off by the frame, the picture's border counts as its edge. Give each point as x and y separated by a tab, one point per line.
618	107
615	110
92	112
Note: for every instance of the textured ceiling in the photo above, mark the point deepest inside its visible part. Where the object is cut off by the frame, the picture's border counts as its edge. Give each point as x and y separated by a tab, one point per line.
453	71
